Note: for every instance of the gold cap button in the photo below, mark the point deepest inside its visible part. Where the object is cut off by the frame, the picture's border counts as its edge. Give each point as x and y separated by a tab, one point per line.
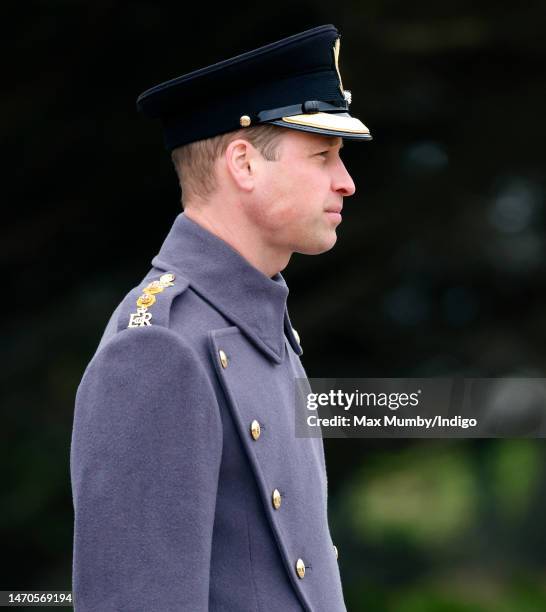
300	568
223	358
335	550
297	336
276	499
244	121
255	430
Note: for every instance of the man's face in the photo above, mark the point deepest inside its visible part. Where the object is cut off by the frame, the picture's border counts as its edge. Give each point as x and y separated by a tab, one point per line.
300	196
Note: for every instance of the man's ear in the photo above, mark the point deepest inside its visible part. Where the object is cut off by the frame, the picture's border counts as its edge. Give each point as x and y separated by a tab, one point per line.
241	158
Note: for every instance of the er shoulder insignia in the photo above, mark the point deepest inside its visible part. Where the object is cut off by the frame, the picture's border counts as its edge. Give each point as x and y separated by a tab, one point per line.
142	317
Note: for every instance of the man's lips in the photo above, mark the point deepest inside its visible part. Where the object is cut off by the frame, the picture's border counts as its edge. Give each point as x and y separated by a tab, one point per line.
335	209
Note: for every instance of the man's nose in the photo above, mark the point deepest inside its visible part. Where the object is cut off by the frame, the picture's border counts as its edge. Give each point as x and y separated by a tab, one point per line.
342	181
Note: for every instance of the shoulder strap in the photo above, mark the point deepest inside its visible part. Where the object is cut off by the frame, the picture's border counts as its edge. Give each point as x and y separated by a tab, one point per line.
150	303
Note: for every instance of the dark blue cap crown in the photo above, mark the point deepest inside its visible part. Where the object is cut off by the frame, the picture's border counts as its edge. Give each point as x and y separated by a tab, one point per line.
294	82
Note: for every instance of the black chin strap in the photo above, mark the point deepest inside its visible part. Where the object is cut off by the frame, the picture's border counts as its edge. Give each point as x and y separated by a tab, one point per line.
307	107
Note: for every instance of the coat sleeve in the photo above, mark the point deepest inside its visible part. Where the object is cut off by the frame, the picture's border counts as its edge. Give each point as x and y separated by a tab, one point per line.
145	458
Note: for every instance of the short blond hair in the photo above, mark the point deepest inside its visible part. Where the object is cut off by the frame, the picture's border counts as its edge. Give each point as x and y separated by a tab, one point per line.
194	162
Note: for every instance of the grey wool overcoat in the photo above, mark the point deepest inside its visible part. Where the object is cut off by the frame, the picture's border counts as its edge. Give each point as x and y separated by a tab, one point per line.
191	491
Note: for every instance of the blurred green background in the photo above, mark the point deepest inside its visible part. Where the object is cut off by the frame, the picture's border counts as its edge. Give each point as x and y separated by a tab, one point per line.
439	269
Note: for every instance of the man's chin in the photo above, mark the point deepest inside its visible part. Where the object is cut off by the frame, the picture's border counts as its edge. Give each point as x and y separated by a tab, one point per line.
318	246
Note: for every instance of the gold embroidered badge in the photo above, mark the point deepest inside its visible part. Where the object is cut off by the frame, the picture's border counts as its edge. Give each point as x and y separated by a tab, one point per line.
336	59
344	92
142	318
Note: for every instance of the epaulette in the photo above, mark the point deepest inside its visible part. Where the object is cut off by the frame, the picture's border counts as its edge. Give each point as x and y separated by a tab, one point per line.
151	304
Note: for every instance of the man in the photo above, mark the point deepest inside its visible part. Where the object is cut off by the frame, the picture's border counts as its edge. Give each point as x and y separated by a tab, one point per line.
191	491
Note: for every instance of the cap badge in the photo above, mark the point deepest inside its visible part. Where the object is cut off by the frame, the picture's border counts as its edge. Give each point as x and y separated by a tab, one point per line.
336	59
344	92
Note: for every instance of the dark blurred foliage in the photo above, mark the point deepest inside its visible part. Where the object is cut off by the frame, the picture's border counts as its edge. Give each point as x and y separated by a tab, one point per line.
439	268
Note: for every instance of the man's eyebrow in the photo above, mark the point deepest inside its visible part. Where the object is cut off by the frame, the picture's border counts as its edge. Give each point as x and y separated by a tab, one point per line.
332	142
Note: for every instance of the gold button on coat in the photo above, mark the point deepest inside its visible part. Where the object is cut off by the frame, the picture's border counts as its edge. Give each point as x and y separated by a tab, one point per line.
223	358
300	568
255	430
276	499
335	550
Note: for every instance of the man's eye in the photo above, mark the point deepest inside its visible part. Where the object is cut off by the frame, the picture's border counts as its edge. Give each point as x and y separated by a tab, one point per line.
323	153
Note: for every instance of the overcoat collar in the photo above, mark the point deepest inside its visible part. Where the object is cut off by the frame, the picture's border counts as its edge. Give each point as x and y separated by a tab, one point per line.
242	293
